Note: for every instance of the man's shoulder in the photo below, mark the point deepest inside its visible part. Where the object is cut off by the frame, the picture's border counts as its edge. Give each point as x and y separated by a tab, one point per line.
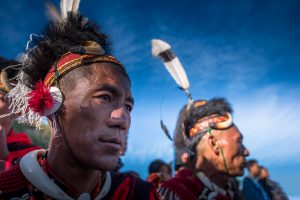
184	179
131	186
13	182
121	178
248	181
184	185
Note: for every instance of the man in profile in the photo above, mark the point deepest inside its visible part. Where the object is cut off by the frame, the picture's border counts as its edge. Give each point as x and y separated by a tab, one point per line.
216	153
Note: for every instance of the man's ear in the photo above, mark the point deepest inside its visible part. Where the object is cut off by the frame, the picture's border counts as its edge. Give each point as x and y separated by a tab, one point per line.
213	144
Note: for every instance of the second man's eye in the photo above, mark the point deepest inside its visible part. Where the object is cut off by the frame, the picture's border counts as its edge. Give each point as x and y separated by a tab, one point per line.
128	108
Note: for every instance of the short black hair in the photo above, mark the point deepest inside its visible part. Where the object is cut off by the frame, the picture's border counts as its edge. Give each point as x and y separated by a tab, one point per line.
155	165
179	142
188	116
250	163
219	106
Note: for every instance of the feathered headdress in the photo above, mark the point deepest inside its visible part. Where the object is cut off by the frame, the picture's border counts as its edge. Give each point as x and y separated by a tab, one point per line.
67	43
66	6
174	67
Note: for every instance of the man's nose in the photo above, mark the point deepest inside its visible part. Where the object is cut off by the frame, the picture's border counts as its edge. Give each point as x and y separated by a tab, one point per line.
246	152
119	119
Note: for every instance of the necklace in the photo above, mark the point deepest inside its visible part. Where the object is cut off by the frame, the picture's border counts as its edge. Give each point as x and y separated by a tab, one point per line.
36	176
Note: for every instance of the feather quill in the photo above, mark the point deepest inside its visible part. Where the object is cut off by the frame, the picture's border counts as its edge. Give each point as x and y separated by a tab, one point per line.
165	129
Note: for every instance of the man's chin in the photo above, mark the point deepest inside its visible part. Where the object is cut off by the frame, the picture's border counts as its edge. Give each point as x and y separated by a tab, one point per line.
237	173
240	173
108	164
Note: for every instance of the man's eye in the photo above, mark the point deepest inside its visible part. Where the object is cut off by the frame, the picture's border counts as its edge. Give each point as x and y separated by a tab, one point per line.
128	108
105	98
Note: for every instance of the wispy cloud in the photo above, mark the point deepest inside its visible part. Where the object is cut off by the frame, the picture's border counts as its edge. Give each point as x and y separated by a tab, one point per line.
294	197
269	121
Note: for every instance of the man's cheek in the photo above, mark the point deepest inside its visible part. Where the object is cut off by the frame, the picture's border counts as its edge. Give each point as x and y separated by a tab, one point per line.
87	112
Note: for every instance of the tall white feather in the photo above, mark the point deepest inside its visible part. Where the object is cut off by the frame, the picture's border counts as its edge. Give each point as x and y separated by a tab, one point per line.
63	8
75	6
69	6
174	66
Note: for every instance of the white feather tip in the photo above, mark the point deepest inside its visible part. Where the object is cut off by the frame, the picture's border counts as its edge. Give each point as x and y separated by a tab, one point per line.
159	46
69	6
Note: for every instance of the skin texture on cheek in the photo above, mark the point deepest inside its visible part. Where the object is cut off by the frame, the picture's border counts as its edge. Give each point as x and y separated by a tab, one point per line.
232	151
227	145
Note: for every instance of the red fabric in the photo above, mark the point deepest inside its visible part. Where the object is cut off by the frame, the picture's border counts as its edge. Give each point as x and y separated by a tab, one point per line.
13	184
186	186
124	188
12	180
154	195
20	137
24	146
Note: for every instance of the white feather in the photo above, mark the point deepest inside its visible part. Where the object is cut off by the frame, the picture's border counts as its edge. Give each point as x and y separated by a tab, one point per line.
174	67
159	46
69	6
75	6
176	70
63	8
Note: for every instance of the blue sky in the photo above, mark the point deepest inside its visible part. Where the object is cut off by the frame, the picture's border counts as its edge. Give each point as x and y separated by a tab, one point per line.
246	51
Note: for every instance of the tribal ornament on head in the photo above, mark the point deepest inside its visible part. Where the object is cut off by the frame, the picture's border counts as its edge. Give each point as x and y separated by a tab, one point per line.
203	116
199	119
65	45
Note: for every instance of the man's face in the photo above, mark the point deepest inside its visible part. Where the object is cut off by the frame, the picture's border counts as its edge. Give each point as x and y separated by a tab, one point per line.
96	116
231	142
5	122
124	145
3	105
263	173
165	172
254	170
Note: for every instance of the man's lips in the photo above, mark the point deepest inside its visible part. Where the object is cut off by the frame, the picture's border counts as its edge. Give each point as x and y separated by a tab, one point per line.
112	143
244	164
